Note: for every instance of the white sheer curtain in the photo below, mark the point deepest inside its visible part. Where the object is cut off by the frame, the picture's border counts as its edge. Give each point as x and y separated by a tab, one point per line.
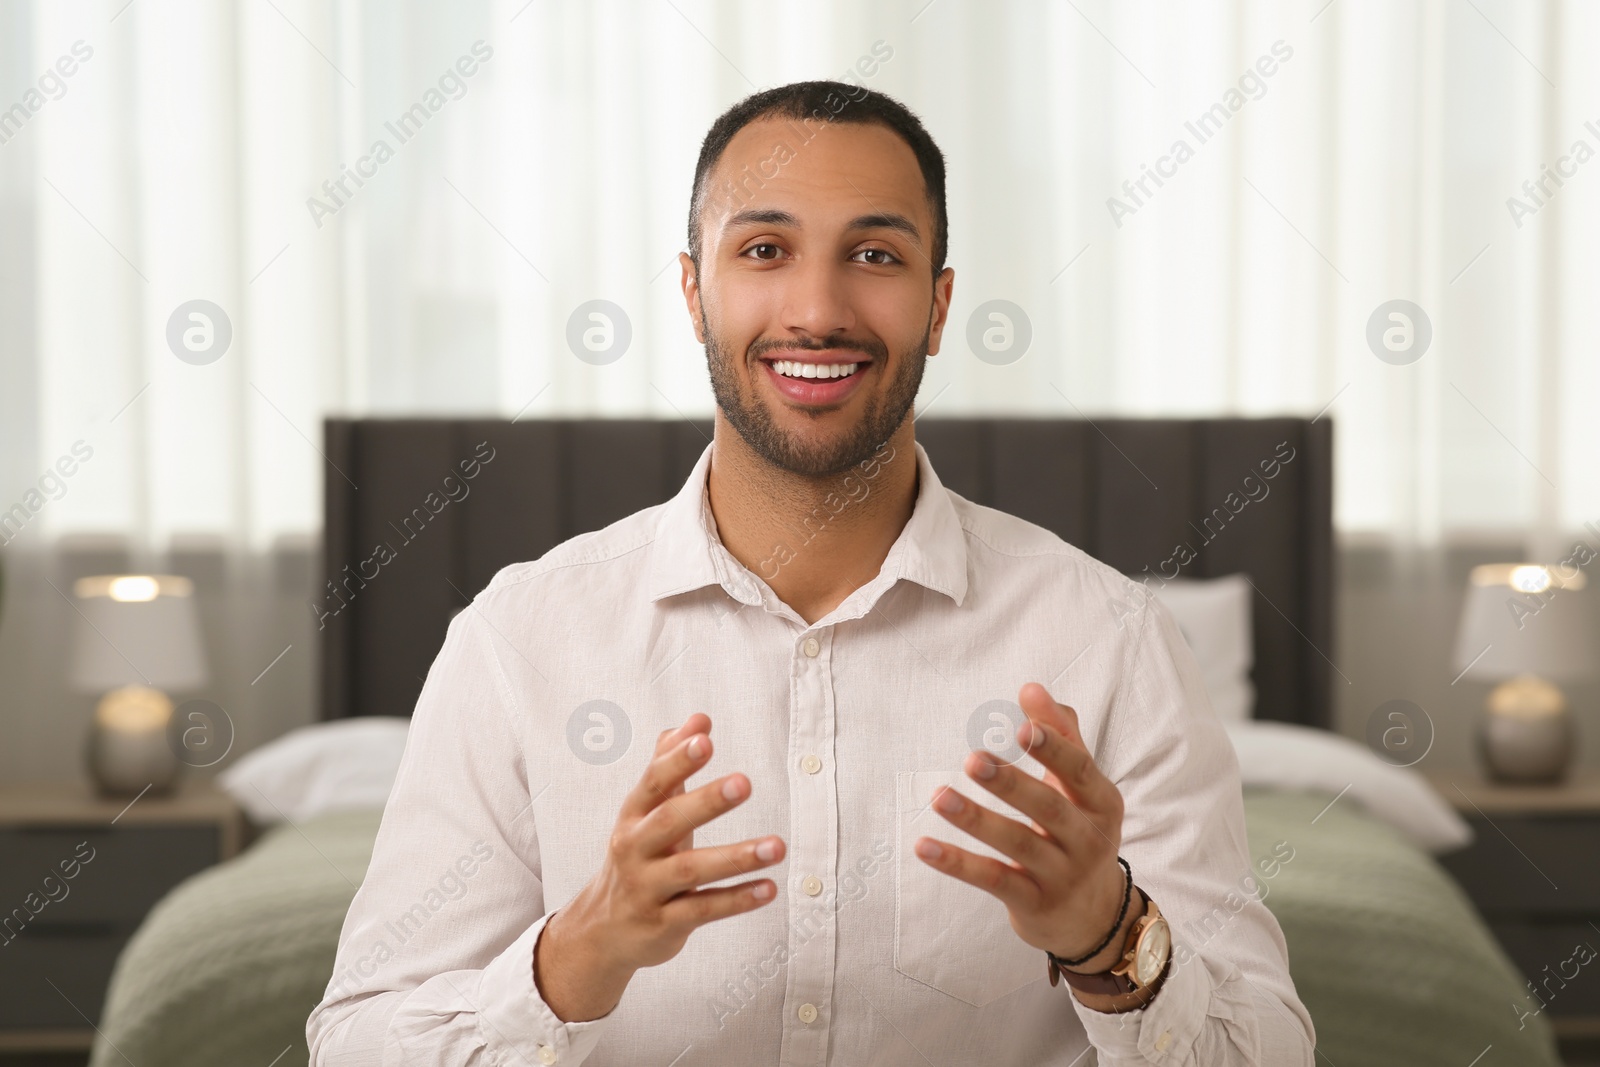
180	159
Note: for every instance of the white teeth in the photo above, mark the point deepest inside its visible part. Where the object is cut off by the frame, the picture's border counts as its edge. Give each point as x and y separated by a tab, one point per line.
791	369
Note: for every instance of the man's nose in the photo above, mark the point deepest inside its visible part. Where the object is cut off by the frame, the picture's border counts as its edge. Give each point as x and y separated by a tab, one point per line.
817	300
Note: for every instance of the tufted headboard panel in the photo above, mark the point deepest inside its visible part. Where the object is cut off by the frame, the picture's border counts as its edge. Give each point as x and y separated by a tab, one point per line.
1196	497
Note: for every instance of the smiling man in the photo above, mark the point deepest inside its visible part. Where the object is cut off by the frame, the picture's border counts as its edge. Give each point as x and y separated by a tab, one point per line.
894	863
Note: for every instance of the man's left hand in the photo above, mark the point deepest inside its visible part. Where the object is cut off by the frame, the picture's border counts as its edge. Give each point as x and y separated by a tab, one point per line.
1065	888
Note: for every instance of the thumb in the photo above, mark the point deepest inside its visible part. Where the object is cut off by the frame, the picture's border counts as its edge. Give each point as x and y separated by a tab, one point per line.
1040	706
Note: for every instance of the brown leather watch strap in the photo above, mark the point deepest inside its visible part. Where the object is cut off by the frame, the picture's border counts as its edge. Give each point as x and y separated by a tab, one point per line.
1103	984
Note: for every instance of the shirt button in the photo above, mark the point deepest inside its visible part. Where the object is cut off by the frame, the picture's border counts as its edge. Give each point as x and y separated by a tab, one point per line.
547	1054
812	885
808	1013
1164	1041
811	764
811	647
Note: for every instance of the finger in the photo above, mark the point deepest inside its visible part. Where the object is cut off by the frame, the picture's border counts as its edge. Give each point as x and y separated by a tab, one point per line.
667	738
676	816
1037	703
1041	858
1074	769
690	870
1054	815
663	743
708	905
696	723
1002	880
664	774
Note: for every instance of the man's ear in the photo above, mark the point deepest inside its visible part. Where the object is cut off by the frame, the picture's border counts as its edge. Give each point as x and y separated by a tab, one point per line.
691	295
943	286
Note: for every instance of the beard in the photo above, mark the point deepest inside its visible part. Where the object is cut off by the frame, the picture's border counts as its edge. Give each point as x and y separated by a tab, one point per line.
753	418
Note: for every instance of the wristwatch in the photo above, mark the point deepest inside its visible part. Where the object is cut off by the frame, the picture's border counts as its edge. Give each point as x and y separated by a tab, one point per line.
1143	961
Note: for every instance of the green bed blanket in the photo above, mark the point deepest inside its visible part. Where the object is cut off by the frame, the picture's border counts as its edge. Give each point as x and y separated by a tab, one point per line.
227	967
1393	963
1388	955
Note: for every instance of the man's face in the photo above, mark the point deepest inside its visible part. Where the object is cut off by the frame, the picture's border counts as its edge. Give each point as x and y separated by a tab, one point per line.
822	267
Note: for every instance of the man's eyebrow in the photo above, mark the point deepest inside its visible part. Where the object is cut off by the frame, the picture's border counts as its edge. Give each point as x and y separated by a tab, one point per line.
777	217
886	221
769	216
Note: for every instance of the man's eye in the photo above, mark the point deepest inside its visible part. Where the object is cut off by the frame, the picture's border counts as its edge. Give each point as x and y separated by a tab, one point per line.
757	249
887	256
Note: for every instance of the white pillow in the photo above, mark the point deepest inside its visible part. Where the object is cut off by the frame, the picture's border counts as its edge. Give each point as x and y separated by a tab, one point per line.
1214	615
1280	755
329	766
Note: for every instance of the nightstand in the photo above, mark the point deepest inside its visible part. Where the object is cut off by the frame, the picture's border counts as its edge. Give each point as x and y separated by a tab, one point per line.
77	875
1532	870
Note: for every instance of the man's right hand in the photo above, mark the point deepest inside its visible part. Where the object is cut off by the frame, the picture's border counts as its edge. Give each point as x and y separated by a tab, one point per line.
641	907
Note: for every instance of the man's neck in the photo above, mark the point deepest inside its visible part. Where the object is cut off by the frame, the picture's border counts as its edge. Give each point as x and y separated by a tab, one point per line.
814	540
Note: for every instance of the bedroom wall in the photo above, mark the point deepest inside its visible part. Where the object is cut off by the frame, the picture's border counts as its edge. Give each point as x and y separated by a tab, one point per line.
254	608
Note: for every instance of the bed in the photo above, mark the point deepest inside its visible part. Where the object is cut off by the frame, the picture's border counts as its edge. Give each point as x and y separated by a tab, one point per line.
1389	957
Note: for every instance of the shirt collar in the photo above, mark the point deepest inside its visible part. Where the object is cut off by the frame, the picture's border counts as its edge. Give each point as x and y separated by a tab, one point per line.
687	554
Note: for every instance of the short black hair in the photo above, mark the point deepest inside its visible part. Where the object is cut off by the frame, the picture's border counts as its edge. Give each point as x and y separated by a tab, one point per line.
812	105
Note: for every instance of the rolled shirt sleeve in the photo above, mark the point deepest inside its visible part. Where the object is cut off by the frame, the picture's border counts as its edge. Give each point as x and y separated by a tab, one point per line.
435	959
1227	1000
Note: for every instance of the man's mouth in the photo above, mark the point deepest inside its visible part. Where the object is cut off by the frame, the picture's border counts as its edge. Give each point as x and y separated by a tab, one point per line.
825	379
794	369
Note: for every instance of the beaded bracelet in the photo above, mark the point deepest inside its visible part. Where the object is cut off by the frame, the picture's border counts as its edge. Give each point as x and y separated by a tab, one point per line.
1127	895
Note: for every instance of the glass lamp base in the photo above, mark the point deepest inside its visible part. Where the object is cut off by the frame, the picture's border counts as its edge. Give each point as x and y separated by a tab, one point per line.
1528	735
128	751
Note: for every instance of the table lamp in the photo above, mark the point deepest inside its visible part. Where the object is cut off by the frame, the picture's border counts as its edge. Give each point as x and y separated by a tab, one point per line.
136	635
1525	626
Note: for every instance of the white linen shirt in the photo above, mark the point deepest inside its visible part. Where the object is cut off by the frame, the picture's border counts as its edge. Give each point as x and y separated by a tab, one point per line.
543	708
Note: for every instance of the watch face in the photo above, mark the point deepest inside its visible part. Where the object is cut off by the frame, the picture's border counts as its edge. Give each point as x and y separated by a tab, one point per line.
1151	955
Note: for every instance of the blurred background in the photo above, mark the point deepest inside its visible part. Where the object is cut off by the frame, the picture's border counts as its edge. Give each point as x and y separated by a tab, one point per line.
186	159
204	252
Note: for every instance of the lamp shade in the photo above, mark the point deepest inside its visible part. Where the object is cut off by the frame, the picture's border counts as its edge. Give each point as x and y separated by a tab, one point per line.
1526	619
136	629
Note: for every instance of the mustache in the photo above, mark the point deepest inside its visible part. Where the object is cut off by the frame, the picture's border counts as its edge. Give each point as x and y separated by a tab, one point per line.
870	346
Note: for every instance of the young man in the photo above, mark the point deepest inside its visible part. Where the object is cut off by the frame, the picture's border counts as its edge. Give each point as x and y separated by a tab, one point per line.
543	891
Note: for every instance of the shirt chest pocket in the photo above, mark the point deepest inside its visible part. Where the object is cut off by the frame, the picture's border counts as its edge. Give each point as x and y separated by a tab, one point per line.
948	934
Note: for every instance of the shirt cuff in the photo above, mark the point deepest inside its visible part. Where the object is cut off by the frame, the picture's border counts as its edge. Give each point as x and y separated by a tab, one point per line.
1164	1030
518	1027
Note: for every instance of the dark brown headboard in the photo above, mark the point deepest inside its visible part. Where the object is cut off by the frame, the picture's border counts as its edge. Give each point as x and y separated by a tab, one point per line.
1128	491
